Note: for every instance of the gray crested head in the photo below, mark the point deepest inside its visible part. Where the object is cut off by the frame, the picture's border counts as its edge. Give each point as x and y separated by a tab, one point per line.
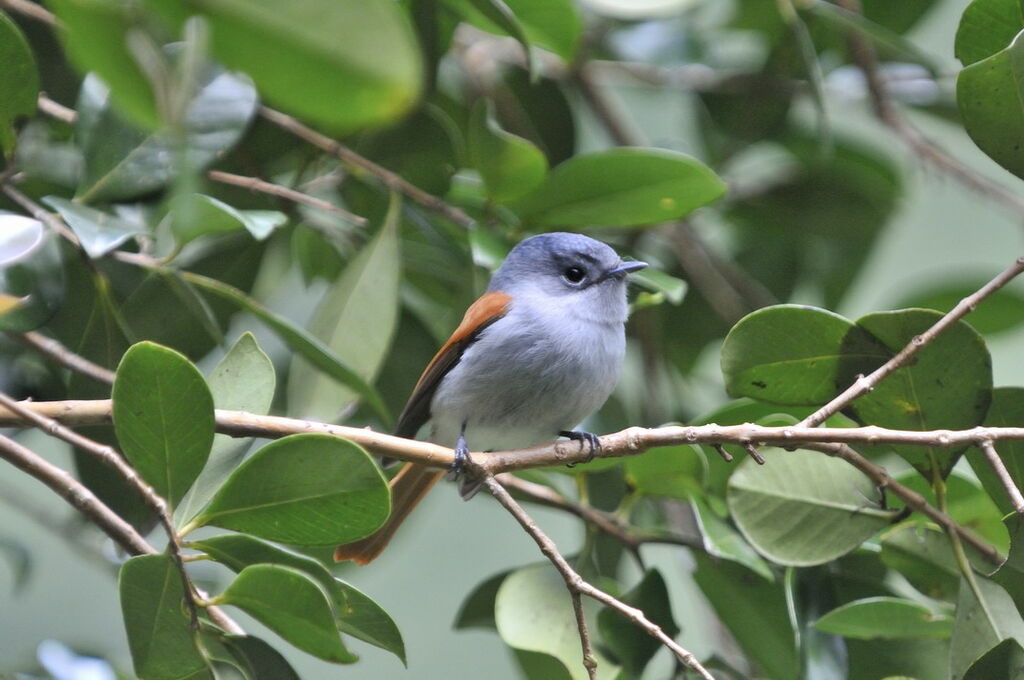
561	263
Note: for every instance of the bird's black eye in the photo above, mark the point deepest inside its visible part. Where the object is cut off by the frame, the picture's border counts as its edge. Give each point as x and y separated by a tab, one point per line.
574	274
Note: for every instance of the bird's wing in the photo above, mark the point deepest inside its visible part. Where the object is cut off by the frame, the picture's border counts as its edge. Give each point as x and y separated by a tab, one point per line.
486	310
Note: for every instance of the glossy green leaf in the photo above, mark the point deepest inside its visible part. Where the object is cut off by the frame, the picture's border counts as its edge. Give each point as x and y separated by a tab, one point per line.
259	659
123	161
1002	310
723	541
754	611
537	110
922	555
632	646
31	276
620	187
355	613
984	618
989	94
509	165
477	610
885	617
163	416
99	232
19	81
792	354
292	605
347	82
356	319
496	16
1004	661
803	508
986	27
197	330
160	636
674	472
305	489
948	385
533	613
243	380
1006	410
297	338
553	24
95	38
196	215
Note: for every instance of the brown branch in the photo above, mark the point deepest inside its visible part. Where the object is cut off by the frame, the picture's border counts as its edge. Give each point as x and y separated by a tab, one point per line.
863	53
989	449
389	179
578	586
289	194
865	384
54	350
39	213
31	10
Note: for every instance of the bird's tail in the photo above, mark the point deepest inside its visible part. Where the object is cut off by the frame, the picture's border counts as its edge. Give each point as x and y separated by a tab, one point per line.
408	488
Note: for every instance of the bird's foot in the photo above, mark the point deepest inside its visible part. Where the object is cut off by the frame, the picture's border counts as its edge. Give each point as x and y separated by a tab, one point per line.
593	443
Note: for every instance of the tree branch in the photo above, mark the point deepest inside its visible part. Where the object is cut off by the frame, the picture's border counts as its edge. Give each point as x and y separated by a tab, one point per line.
575	583
865	384
989	449
54	350
287	193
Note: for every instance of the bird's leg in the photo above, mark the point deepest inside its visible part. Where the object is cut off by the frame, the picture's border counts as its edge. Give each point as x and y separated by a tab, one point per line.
593	443
461	456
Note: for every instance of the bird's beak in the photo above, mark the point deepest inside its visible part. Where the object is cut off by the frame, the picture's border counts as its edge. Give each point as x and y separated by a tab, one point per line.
625	268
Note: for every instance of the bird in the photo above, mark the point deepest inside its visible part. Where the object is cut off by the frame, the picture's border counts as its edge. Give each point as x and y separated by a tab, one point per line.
536	354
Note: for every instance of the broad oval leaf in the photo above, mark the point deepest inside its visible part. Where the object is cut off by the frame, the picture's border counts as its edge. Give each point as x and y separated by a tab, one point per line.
792	354
620	187
163	417
356	319
31	276
258	659
803	508
347	81
160	635
671	471
986	27
1005	660
989	94
922	555
123	161
985	616
1001	311
19	81
885	617
509	165
99	232
304	489
631	645
292	605
195	215
948	385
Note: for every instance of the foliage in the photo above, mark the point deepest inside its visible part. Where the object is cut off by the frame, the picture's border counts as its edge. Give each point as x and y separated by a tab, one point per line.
467	125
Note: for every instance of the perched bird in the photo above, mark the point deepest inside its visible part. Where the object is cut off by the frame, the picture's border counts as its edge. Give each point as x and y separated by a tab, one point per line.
534	355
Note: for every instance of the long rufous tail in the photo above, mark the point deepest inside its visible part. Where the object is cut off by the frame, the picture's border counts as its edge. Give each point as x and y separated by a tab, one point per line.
408	488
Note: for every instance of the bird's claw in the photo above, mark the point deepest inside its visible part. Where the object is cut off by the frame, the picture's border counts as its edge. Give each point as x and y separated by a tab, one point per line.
593	443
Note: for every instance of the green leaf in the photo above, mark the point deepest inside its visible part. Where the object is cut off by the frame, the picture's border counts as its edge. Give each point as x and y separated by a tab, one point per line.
922	555
1004	661
986	27
31	276
163	416
19	81
477	610
885	617
260	660
722	541
620	187
673	471
989	94
95	38
356	319
632	646
123	162
355	613
509	165
983	620
162	642
792	354
968	504
292	605
305	489
533	613
98	231
297	339
496	16
1001	311
1006	410
948	385
553	24
348	82
243	380
195	215
803	508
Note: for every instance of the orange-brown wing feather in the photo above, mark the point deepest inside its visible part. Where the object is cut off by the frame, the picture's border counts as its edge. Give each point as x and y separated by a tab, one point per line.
486	310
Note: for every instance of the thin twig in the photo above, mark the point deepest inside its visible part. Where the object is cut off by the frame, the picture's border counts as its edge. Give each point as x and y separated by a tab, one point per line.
30	9
610	115
389	179
863	53
576	584
112	459
39	213
989	449
271	189
865	384
55	109
53	349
